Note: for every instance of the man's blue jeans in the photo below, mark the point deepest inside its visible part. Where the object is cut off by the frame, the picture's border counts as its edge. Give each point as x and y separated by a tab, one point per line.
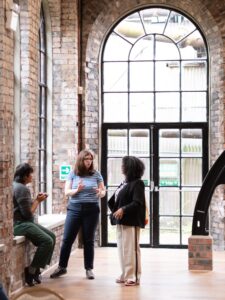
84	216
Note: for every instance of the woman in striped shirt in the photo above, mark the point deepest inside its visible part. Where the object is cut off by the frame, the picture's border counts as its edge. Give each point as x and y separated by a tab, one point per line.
84	187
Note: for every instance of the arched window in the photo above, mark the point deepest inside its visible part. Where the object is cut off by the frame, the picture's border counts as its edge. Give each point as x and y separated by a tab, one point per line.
155	106
42	81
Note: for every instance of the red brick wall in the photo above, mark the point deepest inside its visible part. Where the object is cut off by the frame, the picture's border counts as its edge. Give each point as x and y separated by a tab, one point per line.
6	142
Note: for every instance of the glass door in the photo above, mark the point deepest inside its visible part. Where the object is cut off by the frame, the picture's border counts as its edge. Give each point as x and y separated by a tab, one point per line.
174	170
181	169
121	142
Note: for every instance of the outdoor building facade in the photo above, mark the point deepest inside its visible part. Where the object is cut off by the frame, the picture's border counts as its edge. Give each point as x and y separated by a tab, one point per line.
142	78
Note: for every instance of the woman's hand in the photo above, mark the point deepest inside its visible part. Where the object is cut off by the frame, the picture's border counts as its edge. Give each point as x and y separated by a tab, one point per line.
100	192
80	186
41	197
118	214
71	192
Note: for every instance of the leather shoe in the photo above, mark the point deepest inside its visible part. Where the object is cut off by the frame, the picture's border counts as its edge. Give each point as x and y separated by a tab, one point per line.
28	277
37	276
90	274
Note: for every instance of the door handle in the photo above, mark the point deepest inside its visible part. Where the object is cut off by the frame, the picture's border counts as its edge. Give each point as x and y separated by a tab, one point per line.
156	189
152	186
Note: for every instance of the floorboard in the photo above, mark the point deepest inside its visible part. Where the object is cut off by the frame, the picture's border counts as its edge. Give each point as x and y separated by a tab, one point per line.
165	275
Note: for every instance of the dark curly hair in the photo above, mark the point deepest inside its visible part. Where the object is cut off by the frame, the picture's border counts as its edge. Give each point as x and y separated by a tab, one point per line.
133	168
22	170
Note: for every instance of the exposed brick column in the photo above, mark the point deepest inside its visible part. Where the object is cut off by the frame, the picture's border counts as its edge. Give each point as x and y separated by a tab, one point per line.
29	25
6	145
200	256
65	82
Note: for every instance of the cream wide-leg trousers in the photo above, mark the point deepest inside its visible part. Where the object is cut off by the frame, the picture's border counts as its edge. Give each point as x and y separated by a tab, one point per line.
129	252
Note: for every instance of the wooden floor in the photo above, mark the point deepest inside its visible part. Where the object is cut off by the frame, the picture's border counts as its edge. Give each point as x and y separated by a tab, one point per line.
165	275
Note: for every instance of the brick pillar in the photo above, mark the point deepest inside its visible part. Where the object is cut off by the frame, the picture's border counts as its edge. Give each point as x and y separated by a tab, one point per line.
200	253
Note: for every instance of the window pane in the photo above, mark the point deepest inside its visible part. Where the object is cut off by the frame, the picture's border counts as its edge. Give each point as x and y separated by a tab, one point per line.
115	77
143	71
194	75
111	229
169	172
154	19
114	173
194	107
169	142
191	171
42	133
165	48
139	142
43	104
167	76
115	107
42	41
146	175
167	107
169	230
191	141
169	201
116	48
42	62
189	197
141	107
143	49
144	236
178	26
193	46
130	28
117	143
186	229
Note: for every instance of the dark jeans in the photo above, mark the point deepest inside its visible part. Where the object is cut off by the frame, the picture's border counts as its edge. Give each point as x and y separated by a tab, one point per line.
84	216
41	237
2	293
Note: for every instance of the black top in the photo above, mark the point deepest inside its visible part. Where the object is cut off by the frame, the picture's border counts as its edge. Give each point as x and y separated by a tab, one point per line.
131	198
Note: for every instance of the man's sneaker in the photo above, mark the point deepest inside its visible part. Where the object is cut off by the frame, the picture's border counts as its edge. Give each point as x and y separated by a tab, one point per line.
58	272
90	274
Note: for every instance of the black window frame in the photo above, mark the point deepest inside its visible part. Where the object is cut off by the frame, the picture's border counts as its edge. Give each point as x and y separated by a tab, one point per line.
130	125
42	110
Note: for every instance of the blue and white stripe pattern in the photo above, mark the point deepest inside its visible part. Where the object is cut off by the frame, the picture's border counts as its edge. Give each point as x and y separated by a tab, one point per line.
88	194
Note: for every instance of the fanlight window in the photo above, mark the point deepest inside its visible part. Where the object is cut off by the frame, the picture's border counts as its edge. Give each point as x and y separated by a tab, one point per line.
155	69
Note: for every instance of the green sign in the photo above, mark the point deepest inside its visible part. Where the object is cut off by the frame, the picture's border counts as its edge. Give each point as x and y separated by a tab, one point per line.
169	182
145	182
64	171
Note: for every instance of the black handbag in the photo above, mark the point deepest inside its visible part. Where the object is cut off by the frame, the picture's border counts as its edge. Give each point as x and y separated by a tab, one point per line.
111	203
112	219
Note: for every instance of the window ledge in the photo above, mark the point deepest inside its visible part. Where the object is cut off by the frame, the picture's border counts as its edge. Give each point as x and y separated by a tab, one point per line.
18	239
52	221
2	247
